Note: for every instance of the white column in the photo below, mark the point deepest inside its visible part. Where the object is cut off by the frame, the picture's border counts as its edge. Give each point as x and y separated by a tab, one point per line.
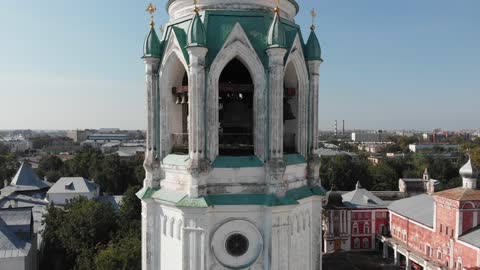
196	103
385	250
313	169
395	255
407	261
276	165
151	80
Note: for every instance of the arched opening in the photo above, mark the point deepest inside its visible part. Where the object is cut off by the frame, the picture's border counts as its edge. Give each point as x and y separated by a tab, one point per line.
177	106
290	110
235	97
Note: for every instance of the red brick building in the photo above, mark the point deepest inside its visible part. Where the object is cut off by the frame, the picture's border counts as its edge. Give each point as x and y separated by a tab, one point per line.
352	220
439	231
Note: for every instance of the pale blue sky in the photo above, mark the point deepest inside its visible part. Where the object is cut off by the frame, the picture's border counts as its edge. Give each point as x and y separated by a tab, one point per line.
388	64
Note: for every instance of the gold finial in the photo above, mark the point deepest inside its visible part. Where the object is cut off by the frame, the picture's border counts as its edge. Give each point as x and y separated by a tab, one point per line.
314	14
277	9
162	30
151	9
195	9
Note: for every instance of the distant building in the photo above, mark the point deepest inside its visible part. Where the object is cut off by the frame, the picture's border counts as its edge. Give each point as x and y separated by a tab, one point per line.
329	153
371	137
17	144
415	186
77	135
18	248
68	188
26	182
352	220
429	147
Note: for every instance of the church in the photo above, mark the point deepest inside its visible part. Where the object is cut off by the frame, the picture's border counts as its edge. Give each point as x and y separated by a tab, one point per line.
232	175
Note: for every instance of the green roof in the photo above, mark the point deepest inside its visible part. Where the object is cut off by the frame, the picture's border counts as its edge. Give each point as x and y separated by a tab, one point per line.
312	49
180	199
152	46
294	159
276	33
236	162
196	33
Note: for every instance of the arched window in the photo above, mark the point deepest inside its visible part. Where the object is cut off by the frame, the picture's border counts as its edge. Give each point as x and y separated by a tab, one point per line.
459	263
366	243
290	110
236	97
355	228
356	243
439	253
366	228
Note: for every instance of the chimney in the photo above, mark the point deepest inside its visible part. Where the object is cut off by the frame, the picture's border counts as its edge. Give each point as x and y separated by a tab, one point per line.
343	128
336	128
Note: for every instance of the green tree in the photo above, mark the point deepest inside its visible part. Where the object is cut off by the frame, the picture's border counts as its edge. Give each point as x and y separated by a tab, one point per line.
51	167
124	254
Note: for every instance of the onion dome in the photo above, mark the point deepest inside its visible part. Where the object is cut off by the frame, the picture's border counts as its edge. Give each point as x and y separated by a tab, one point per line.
276	33
312	50
468	170
196	32
152	46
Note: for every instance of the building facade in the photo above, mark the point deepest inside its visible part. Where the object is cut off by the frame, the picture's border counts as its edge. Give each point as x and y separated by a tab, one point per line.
438	231
353	220
232	178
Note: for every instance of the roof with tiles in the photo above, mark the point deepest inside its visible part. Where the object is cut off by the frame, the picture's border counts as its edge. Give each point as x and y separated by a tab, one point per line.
460	194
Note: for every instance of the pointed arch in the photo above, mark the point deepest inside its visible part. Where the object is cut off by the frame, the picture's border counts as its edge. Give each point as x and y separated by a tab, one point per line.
237	46
171	74
296	62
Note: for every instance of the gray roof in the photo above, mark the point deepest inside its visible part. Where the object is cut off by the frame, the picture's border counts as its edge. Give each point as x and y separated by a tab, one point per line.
361	198
39	207
26	179
472	237
72	185
418	208
14	222
114	200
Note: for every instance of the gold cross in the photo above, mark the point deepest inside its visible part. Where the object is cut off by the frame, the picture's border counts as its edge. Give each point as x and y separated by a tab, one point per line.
314	14
277	9
151	9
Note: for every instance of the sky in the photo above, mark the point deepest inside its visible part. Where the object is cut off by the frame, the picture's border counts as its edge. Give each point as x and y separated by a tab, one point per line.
74	64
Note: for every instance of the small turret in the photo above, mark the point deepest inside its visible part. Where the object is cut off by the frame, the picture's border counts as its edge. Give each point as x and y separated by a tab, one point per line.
276	32
196	32
469	174
313	50
152	46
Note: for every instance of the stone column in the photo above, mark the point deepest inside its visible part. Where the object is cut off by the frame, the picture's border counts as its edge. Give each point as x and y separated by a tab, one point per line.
151	163
385	250
395	255
276	165
196	115
313	159
407	261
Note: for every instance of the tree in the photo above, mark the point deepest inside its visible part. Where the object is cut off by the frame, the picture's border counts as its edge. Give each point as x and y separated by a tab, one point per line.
130	211
50	167
124	254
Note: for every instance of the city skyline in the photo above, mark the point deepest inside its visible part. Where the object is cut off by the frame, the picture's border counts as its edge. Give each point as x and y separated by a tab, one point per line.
398	65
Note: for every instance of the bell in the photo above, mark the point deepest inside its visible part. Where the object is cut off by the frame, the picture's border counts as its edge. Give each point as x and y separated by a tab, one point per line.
287	112
177	101
184	99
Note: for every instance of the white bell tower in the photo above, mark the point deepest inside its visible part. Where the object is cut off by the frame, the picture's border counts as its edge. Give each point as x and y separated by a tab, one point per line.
232	174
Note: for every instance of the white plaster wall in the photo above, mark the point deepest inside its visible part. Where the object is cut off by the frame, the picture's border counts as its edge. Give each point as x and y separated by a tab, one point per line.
63	198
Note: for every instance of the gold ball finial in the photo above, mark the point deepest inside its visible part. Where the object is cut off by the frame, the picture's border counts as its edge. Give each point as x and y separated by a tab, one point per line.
195	9
276	10
314	15
151	9
162	30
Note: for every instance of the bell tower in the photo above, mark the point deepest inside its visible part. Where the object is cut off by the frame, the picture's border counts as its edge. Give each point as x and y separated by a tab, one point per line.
232	175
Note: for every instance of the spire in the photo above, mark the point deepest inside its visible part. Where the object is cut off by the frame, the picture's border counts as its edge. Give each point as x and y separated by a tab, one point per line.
151	46
469	174
357	185
196	30
313	51
276	33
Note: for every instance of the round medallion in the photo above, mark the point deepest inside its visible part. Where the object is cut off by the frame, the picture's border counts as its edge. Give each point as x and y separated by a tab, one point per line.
237	244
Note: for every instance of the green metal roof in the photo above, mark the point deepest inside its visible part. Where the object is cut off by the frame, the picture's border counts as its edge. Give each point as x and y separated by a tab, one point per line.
152	46
312	49
293	2
196	33
294	159
276	33
236	162
218	25
181	199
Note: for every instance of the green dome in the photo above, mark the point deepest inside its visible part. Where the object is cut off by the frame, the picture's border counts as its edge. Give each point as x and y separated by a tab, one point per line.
196	33
152	46
313	51
276	33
